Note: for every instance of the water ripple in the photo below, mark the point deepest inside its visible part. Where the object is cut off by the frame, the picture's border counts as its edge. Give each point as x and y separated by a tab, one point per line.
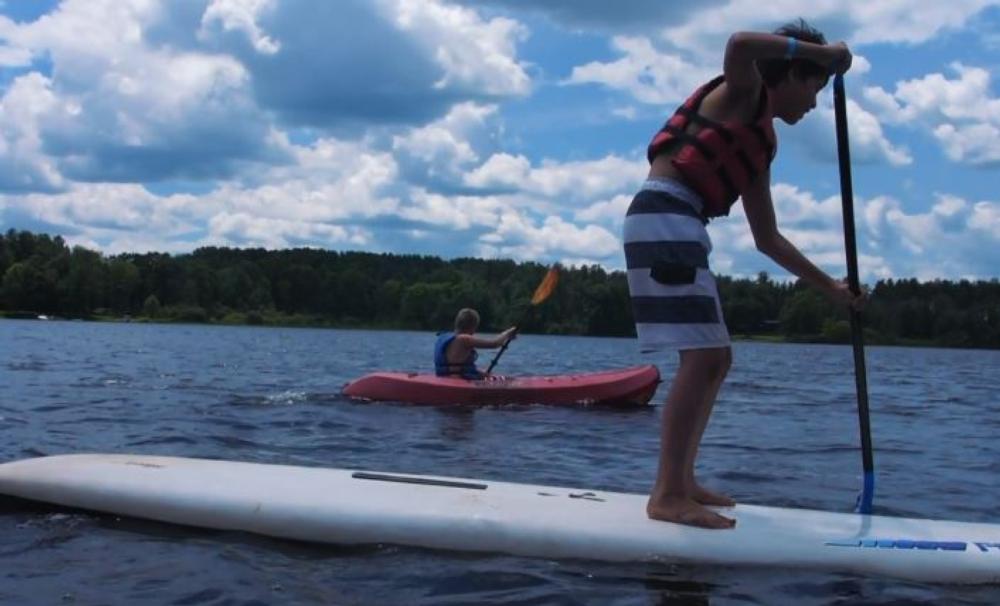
273	396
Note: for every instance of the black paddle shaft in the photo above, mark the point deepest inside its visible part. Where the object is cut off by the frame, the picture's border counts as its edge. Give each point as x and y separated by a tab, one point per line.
497	357
850	244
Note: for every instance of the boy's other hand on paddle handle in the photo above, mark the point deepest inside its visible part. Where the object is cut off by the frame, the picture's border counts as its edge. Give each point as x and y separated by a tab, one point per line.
840	291
840	57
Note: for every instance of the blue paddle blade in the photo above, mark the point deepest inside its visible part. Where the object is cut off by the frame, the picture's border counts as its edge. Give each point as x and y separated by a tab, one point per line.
867	496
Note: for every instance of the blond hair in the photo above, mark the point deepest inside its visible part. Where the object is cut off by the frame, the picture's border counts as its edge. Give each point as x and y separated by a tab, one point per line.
467	320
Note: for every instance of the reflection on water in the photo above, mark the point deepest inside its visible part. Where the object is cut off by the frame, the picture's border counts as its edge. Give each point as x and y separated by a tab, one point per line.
784	433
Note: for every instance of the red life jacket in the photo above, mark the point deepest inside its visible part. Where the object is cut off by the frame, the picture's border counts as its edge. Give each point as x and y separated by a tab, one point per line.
720	160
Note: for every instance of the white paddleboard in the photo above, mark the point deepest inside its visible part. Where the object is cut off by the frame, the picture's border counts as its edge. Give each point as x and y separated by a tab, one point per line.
353	507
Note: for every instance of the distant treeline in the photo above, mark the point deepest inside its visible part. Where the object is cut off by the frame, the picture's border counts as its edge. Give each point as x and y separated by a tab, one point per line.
42	275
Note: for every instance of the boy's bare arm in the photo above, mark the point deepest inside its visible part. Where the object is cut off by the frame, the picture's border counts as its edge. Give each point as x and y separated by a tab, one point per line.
483	343
745	48
759	208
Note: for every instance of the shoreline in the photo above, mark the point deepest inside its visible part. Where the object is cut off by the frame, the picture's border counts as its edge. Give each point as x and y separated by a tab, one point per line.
296	321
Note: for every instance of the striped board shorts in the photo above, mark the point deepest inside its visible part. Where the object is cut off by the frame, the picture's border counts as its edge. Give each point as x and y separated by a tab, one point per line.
675	301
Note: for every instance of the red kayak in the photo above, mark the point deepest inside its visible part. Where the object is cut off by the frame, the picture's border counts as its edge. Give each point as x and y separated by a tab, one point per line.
625	387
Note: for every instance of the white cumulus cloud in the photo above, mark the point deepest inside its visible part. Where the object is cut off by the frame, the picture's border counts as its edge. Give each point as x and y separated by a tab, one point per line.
567	181
648	74
240	15
475	53
962	112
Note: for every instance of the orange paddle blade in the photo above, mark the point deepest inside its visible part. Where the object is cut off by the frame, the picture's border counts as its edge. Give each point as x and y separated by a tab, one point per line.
547	286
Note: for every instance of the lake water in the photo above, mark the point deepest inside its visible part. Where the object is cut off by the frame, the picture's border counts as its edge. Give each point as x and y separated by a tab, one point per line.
784	433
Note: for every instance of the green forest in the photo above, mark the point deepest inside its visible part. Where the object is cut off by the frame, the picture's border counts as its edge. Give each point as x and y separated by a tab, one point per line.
312	287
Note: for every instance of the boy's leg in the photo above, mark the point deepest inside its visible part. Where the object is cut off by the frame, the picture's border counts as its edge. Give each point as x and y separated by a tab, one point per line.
699	493
684	418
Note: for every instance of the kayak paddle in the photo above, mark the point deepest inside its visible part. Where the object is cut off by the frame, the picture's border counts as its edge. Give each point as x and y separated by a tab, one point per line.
543	291
864	503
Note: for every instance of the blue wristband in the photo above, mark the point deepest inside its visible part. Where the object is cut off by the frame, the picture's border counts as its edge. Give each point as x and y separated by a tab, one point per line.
793	44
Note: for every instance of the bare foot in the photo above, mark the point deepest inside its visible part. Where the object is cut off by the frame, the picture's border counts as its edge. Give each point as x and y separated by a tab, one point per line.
707	497
686	511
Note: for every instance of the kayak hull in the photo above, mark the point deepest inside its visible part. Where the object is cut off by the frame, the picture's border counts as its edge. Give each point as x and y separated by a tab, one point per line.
625	387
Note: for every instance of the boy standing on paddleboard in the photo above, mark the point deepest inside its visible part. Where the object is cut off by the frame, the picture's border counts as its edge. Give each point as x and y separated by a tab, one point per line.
716	148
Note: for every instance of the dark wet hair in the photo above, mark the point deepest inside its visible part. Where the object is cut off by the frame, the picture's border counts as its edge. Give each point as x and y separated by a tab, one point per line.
774	71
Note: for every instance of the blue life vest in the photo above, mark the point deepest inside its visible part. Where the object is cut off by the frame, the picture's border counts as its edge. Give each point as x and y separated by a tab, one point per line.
444	368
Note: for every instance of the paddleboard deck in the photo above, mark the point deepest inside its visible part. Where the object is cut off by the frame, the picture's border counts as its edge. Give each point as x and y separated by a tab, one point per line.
360	507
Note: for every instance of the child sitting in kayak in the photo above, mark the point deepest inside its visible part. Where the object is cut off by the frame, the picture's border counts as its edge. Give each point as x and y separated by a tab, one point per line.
455	352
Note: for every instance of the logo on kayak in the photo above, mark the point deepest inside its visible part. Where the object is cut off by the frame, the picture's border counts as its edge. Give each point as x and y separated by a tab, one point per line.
915	544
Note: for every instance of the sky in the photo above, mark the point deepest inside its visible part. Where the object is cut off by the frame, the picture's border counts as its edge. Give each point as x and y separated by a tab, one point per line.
479	128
